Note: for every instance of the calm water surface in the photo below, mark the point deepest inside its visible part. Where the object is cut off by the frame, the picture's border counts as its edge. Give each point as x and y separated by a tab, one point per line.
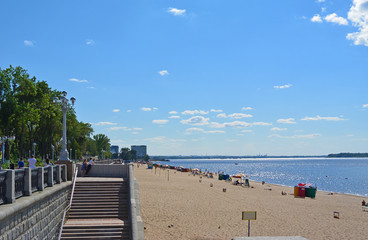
342	175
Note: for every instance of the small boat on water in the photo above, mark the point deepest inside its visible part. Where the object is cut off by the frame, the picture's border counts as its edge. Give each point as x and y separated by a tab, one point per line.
236	163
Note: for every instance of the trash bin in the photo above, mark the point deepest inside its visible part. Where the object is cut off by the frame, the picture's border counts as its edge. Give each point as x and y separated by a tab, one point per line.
296	191
301	192
246	182
310	192
226	177
220	176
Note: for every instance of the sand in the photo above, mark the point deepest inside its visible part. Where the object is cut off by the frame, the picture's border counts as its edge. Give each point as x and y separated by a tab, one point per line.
184	207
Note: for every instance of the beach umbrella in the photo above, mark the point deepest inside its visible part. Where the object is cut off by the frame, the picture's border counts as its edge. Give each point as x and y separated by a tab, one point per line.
239	175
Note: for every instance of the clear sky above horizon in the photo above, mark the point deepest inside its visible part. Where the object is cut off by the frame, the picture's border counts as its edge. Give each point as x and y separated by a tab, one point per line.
199	77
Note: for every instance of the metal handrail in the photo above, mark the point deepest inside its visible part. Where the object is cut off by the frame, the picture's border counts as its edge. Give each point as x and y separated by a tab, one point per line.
70	202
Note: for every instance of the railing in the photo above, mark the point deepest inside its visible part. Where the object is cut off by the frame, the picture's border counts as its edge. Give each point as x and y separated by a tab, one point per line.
2	187
54	174
34	179
46	176
70	202
19	183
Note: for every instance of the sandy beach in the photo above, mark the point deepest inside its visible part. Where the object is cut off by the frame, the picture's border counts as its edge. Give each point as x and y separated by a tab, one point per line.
184	206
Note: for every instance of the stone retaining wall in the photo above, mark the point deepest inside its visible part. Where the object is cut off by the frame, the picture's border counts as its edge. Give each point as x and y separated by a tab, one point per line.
35	217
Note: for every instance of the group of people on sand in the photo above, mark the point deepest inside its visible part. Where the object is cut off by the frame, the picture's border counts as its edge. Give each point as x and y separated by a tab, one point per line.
86	166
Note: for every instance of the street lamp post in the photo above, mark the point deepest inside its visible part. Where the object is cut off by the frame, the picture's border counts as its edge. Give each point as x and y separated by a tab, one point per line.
34	149
53	150
71	155
64	107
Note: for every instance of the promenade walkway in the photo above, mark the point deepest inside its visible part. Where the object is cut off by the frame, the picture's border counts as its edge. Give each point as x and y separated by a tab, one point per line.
100	209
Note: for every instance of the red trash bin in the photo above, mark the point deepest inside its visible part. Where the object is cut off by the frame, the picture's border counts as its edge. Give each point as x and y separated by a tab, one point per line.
301	192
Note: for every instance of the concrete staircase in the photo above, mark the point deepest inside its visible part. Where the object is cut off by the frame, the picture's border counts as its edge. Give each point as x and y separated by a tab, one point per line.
99	210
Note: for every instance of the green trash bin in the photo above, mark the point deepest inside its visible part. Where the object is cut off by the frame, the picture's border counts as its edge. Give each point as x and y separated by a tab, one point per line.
220	176
310	192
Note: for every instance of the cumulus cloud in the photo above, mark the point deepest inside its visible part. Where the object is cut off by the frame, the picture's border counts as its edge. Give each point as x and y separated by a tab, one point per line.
116	110
316	18
246	108
78	80
358	15
104	123
90	42
163	139
173	112
192	112
120	128
234	124
283	86
287	121
163	72
201	130
278	129
306	136
215	110
176	11
160	121
365	106
146	109
320	1
28	43
196	121
261	124
174	116
336	19
234	115
317	118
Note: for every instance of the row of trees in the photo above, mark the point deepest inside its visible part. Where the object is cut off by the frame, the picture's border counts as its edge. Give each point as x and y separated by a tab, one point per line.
28	113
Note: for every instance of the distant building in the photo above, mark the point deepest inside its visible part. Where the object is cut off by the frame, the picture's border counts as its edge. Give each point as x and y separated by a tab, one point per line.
114	149
140	149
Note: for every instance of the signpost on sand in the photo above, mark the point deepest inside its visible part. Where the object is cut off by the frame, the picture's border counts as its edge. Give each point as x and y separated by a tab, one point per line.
249	215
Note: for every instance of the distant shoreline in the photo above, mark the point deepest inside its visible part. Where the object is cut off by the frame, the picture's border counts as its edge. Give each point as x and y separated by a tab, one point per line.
339	155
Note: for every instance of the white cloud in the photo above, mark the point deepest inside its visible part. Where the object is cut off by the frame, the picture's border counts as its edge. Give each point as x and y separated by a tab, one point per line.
78	80
137	129
261	124
196	121
90	42
201	130
192	112
307	136
215	110
316	18
28	43
336	19
91	87
323	9
358	15
176	11
320	1
222	115
234	124
234	115
246	108
163	139
116	110
104	123
146	109
129	110
317	118
173	112
278	129
283	86
365	106
163	72
120	128
174	116
160	121
246	131
240	115
135	133
287	121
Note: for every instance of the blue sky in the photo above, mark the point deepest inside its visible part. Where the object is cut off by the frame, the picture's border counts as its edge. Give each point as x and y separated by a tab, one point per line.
238	77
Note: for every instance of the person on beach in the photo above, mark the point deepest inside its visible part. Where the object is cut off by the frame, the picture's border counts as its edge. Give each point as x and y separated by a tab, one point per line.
90	163
84	167
21	163
32	162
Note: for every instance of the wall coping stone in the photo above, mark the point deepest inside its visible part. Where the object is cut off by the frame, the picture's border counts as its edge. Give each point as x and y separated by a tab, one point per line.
7	210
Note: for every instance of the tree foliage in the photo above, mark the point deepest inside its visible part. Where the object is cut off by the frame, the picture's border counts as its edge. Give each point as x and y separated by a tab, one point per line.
27	111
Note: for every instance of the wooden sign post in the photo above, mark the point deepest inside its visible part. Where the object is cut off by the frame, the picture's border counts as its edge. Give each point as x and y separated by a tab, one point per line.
249	215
